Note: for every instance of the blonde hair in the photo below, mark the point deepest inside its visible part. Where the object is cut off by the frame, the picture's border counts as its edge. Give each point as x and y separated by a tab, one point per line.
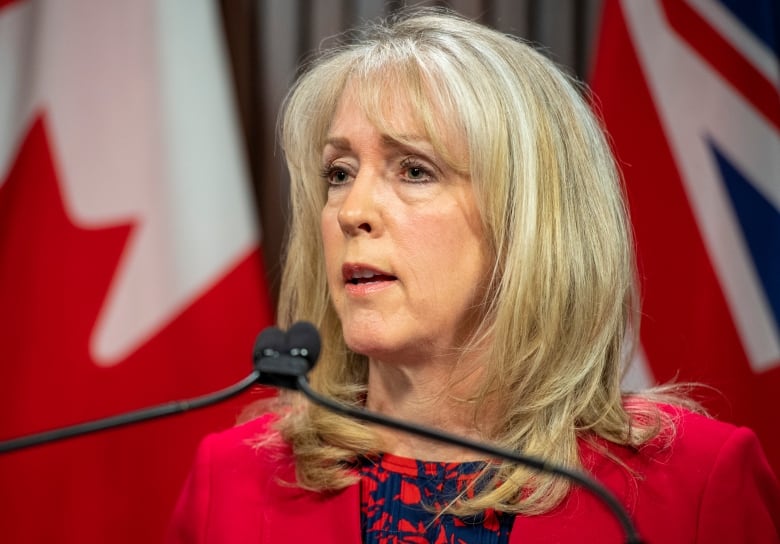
560	306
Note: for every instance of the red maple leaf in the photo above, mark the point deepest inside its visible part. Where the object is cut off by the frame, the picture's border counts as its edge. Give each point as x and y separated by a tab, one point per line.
53	279
120	485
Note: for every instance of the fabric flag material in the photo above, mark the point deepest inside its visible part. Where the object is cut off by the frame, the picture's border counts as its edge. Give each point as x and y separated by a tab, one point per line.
130	265
688	91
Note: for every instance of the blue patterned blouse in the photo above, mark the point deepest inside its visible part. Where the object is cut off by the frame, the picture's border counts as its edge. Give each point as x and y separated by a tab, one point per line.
395	492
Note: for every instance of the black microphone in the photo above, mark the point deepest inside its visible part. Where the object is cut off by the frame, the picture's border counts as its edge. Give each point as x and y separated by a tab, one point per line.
285	356
284	360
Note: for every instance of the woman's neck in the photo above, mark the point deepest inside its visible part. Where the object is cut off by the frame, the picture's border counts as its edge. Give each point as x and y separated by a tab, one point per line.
437	395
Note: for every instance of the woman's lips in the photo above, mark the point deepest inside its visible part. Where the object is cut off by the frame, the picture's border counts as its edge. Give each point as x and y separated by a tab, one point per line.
360	279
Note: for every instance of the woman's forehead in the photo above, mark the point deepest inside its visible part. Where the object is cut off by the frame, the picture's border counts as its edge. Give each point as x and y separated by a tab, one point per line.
394	113
404	115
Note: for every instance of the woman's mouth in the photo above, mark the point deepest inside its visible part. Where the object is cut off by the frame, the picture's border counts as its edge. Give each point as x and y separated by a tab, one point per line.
361	275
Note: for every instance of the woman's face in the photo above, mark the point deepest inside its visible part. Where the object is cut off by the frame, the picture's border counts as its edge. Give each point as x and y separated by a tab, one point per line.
405	253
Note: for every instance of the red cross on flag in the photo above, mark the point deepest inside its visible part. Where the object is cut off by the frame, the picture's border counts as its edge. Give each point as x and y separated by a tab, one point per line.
689	94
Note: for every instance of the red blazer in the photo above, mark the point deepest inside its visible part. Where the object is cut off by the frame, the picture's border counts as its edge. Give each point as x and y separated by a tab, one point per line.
713	485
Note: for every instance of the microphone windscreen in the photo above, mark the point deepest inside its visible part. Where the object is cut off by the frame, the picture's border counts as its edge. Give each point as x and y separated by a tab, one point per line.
270	338
304	337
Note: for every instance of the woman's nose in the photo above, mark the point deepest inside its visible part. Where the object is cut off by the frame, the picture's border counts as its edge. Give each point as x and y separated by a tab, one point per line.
359	213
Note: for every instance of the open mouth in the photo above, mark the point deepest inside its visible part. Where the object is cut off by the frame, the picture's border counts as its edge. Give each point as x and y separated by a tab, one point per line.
372	279
358	275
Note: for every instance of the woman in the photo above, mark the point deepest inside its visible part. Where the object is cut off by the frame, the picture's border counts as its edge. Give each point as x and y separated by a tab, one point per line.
459	238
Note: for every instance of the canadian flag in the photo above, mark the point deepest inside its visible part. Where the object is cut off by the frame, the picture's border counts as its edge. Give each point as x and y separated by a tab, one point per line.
689	92
130	266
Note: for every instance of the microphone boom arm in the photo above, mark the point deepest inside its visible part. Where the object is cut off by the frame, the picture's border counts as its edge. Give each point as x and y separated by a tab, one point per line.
137	416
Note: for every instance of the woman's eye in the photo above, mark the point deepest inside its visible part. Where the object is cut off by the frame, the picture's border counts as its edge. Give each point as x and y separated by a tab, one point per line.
335	175
338	176
416	173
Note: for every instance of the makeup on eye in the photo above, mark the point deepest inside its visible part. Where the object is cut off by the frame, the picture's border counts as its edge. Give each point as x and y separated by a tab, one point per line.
335	174
410	169
416	171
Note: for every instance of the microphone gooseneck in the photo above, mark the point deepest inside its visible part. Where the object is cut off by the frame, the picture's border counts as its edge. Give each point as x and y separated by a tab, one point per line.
145	414
268	361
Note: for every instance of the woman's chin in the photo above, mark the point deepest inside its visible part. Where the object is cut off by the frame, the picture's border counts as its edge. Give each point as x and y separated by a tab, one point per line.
369	347
386	340
373	344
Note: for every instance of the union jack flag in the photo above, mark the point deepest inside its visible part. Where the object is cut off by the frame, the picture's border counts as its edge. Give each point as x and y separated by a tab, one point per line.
688	91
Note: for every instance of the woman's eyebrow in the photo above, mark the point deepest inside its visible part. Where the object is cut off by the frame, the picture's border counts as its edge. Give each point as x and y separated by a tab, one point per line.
405	141
412	144
338	143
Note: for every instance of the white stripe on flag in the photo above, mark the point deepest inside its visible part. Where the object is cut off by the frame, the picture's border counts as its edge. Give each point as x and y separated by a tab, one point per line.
738	36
